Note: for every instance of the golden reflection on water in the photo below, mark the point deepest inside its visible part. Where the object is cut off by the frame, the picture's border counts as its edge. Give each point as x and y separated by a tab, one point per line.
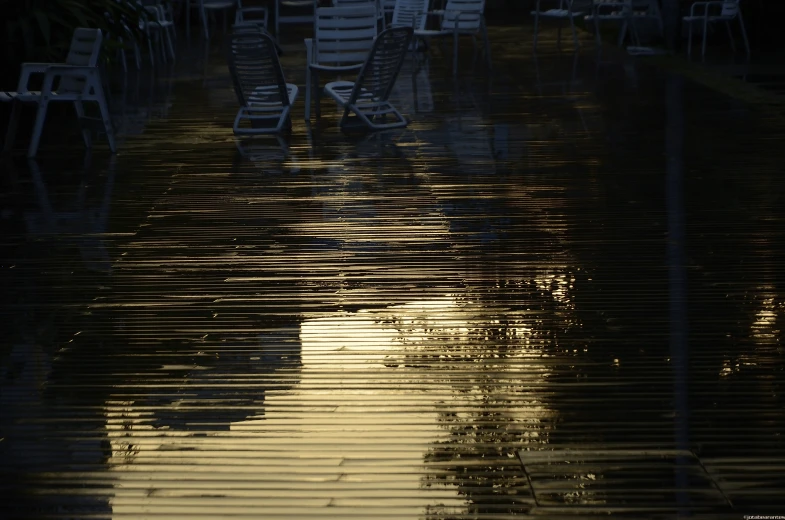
382	400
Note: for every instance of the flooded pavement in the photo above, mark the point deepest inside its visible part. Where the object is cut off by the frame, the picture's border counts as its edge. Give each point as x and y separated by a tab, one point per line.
559	292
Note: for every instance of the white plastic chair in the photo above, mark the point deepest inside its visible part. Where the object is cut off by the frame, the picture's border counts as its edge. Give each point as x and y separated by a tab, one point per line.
258	15
265	97
343	36
410	13
376	3
367	96
304	10
160	22
729	10
79	81
205	8
460	17
565	11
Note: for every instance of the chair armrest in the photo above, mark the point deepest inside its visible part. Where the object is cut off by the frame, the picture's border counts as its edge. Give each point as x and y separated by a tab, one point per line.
705	6
309	53
55	71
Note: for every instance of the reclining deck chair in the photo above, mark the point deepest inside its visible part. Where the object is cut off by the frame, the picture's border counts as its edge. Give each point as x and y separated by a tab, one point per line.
265	97
77	80
367	97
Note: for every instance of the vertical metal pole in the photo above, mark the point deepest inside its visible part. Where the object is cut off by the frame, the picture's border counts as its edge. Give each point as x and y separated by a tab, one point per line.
671	18
677	278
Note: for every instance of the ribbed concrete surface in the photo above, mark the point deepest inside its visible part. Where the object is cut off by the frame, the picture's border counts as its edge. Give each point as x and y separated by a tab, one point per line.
558	293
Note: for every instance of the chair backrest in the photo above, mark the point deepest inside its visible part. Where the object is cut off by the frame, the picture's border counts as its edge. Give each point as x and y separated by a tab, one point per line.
253	63
85	51
344	35
469	19
85	47
377	76
410	13
730	8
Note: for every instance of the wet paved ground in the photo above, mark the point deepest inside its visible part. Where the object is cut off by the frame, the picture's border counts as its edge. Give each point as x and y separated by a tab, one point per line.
559	292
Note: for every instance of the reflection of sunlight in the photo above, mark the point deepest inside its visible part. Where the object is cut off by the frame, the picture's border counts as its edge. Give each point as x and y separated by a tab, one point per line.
386	402
559	285
765	325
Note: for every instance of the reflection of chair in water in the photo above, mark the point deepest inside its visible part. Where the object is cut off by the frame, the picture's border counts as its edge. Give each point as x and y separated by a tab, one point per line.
414	86
84	223
562	91
210	397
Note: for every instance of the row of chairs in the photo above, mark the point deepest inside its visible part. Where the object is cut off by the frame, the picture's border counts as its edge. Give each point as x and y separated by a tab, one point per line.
630	12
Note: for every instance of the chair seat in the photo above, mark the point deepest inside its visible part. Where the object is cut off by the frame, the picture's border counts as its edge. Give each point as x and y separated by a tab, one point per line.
557	13
34	96
336	68
711	18
366	103
268	95
606	16
425	33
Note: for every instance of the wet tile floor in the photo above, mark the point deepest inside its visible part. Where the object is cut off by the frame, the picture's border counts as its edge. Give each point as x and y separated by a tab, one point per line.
558	293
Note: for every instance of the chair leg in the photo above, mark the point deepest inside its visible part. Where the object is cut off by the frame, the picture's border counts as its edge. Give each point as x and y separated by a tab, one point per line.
307	88
730	37
79	108
104	109
705	33
137	56
487	43
574	33
38	128
536	28
10	135
317	95
150	49
744	34
455	53
205	30
169	44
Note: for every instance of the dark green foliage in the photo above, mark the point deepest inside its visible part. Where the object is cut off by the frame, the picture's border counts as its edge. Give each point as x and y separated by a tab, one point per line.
41	30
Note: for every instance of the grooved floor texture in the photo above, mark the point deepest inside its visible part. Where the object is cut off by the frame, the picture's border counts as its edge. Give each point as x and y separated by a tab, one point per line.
558	293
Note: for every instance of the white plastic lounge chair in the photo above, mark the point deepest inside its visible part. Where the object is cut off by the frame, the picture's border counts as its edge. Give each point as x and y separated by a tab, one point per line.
367	97
265	97
460	17
410	13
707	12
79	81
342	38
258	15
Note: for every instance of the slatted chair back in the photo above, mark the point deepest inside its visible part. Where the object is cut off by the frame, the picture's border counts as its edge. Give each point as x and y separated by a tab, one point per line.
464	15
85	51
377	77
344	35
253	63
730	8
410	13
